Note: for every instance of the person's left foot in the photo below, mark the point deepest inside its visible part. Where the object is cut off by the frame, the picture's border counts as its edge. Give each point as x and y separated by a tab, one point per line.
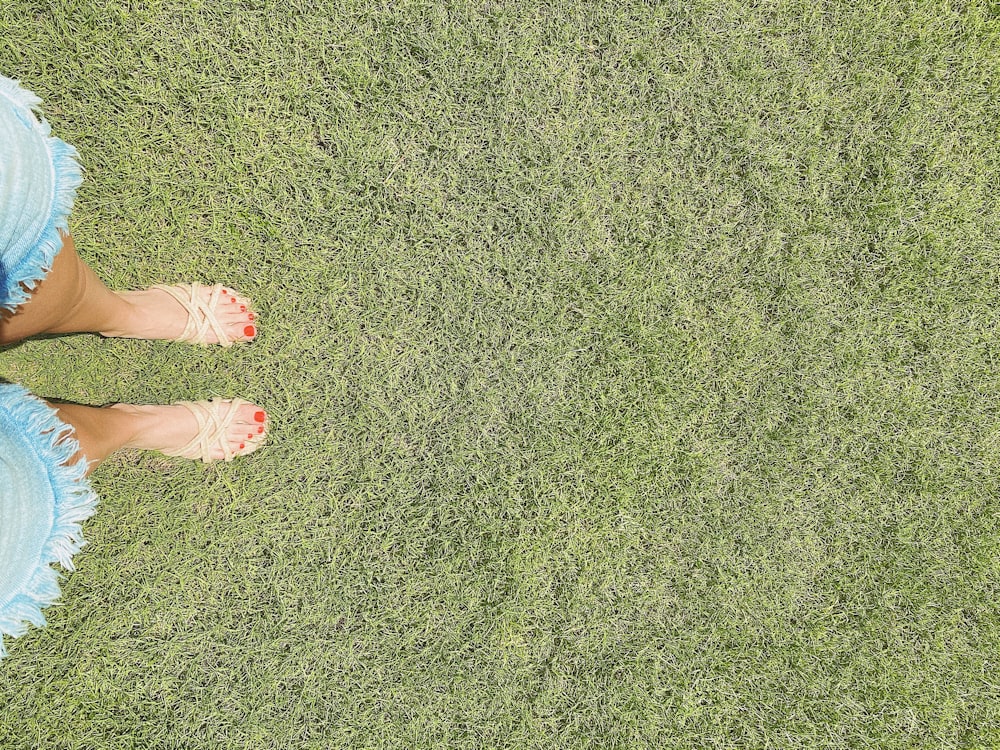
208	430
186	312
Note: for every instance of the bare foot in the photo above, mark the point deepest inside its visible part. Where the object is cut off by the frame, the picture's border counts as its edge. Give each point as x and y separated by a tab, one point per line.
155	314
170	429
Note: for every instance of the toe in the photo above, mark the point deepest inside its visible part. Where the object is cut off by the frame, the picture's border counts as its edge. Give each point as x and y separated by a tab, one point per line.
238	324
250	418
237	440
245	433
233	298
243	440
239	328
235	312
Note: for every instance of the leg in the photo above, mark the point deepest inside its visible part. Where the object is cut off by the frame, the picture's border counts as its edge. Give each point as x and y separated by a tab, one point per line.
72	299
100	431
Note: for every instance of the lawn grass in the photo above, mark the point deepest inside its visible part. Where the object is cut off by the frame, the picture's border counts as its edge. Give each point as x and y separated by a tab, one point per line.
632	368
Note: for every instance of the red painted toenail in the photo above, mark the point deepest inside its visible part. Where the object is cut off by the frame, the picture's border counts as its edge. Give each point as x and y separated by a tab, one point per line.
243	308
259	417
225	291
232	299
260	430
242	446
252	316
249	331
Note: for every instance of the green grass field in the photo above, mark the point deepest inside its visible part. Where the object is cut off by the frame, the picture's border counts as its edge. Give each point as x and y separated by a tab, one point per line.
633	369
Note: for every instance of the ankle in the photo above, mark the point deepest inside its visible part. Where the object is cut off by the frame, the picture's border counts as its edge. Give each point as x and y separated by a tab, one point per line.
128	423
122	317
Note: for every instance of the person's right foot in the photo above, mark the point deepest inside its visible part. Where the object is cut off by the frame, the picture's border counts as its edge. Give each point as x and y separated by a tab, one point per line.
156	314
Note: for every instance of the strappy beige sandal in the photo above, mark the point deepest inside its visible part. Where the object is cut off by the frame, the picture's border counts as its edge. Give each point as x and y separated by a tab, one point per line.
201	314
215	417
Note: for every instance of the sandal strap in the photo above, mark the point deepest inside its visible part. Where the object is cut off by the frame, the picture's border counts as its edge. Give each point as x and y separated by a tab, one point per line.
201	315
214	418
